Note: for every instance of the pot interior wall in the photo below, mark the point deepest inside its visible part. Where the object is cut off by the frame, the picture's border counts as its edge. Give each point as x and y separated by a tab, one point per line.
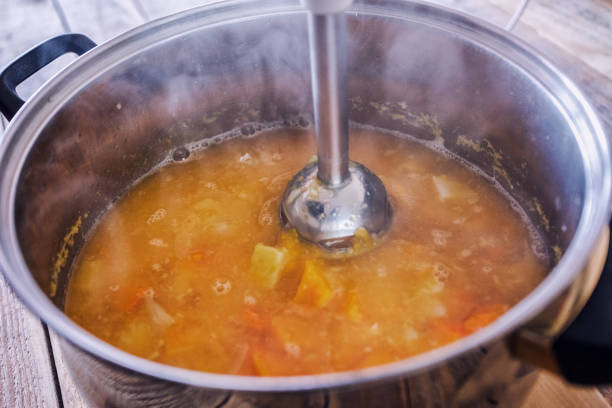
404	76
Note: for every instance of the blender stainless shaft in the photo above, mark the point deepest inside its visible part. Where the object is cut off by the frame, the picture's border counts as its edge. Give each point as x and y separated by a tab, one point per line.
334	203
328	70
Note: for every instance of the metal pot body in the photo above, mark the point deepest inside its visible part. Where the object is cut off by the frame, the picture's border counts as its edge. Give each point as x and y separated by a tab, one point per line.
483	378
120	110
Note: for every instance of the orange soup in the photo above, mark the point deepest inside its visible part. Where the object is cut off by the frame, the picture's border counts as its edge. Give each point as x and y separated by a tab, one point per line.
192	268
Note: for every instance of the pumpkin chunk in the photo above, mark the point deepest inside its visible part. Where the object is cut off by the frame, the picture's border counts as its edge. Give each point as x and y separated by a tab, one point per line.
314	290
351	308
271	363
267	264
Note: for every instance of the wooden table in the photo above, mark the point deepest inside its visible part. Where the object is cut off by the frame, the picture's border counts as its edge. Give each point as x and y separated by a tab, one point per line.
576	34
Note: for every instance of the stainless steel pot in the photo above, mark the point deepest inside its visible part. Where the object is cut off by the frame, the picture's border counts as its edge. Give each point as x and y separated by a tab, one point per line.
112	115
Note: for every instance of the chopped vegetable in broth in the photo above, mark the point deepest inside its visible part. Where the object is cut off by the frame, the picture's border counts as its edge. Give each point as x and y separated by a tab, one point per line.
192	269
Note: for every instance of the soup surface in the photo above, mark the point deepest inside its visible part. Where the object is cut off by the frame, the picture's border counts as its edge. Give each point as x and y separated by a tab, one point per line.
191	268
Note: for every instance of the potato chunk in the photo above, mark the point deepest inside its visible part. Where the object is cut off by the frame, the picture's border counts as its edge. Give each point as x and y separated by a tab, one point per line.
449	189
314	290
267	264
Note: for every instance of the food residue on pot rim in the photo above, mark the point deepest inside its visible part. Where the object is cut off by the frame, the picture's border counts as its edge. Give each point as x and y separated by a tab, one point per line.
64	252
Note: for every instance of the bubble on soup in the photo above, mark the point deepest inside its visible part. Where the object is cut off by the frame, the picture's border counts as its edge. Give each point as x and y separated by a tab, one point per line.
438	309
292	349
246	159
440	272
180	154
487	241
440	237
459	221
158	242
411	334
157	216
223	228
433	286
222	286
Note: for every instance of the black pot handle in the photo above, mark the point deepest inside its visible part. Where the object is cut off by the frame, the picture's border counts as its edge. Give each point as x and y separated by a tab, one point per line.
584	350
33	60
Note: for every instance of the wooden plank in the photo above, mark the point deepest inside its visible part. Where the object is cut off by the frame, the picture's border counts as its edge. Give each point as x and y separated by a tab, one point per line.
26	375
576	27
550	391
576	36
586	61
100	19
579	28
26	371
25	24
157	9
70	395
482	9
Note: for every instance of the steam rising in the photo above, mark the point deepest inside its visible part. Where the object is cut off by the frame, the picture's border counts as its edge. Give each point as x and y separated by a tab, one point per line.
238	79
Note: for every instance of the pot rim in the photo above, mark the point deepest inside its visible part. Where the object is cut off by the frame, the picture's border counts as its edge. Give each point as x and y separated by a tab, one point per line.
23	131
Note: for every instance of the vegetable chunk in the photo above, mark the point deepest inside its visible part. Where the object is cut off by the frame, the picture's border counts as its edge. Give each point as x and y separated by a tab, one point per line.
448	189
314	290
267	264
351	308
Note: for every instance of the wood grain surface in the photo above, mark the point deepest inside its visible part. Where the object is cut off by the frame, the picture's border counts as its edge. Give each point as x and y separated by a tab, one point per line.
69	395
26	373
101	20
551	392
577	35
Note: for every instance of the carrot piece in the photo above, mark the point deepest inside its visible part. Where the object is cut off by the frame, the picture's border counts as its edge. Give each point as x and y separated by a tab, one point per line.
351	308
261	363
293	329
446	331
268	363
484	315
136	300
200	257
253	320
313	289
